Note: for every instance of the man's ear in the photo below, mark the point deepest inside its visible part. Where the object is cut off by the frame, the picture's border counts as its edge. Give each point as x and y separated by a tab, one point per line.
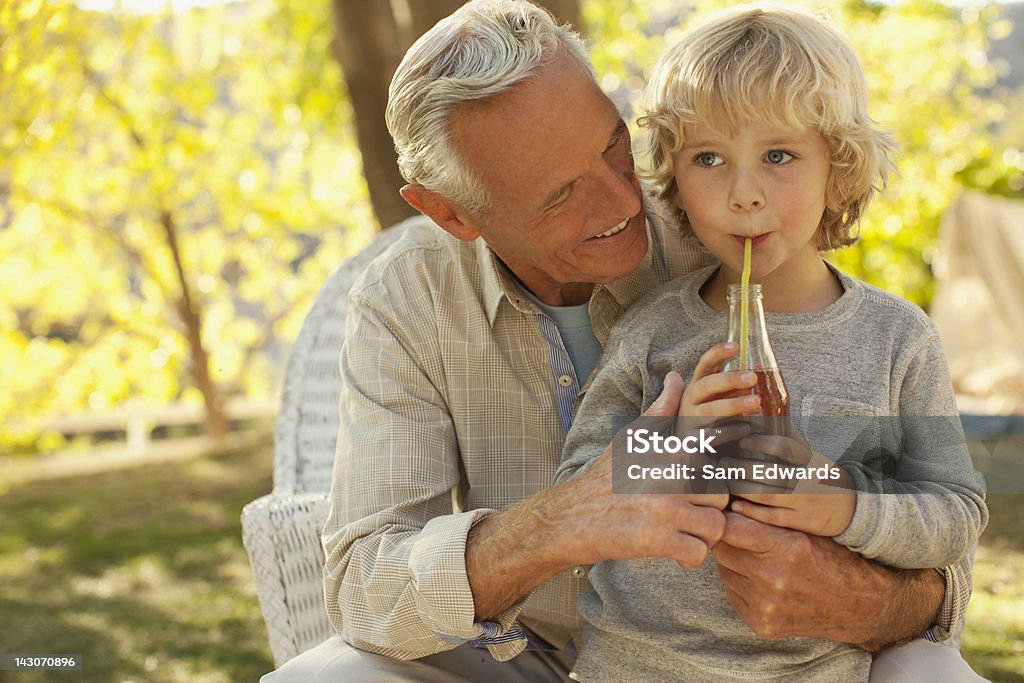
440	210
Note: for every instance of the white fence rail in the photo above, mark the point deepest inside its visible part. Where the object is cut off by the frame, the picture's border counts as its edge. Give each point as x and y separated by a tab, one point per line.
138	421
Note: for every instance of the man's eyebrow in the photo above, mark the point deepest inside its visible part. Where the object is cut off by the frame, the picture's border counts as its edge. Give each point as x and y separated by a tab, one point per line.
550	199
613	139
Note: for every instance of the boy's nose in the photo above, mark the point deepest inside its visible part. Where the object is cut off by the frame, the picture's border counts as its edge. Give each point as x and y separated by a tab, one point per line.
747	204
745	194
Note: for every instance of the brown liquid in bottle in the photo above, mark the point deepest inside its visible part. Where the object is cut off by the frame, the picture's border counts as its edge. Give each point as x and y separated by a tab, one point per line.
772	391
772	417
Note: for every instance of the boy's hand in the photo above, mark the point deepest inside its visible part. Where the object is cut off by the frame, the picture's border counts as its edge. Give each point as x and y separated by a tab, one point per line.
704	396
821	514
823	506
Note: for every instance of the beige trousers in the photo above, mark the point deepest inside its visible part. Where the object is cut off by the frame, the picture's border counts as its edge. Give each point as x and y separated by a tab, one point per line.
334	661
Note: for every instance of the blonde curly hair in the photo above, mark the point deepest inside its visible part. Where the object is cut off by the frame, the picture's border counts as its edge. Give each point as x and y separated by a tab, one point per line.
782	66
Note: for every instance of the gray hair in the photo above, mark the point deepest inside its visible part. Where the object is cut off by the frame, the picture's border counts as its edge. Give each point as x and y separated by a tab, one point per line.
481	50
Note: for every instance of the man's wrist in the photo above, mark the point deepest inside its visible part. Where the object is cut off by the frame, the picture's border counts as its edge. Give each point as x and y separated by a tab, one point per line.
911	599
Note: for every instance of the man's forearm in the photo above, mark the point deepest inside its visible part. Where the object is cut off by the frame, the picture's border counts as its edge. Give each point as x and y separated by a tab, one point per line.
581	522
786	583
511	553
907	608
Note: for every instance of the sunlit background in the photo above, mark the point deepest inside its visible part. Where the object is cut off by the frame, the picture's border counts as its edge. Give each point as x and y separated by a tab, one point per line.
179	177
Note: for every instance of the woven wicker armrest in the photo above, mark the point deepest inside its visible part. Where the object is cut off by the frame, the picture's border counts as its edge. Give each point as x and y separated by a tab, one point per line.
281	533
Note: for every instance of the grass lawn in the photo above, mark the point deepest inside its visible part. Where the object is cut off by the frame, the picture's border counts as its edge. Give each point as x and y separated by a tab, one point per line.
142	571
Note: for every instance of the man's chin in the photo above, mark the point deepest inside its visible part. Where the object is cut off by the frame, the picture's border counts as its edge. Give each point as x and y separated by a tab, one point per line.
634	252
629	263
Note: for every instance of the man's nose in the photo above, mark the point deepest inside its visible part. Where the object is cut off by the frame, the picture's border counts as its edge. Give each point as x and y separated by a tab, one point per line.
618	189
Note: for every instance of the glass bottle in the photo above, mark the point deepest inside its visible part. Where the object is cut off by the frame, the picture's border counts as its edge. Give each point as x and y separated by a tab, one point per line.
760	357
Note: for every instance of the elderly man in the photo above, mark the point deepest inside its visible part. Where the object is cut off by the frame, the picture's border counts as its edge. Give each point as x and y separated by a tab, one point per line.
449	555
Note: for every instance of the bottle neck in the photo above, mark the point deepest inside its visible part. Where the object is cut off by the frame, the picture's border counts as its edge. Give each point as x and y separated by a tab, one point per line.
758	348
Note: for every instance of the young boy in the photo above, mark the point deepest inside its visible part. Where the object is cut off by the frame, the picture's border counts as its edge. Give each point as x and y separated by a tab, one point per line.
758	129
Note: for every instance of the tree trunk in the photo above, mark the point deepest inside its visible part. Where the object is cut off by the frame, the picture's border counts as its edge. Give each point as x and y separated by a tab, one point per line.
366	46
216	423
426	13
423	14
566	11
370	39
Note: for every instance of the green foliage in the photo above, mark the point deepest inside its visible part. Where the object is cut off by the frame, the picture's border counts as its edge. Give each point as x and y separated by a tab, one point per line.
626	37
925	65
998	165
926	68
227	120
230	120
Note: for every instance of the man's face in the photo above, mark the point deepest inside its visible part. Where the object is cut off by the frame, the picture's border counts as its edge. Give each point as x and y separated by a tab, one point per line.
555	157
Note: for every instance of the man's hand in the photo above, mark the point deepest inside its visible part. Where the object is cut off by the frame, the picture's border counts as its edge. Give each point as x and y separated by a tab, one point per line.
786	583
616	526
582	522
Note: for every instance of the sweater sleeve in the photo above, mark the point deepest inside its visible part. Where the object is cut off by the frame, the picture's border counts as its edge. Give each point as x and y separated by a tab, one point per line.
930	510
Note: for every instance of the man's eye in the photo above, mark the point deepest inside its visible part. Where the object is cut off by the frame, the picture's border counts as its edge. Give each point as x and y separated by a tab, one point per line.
562	195
777	156
708	159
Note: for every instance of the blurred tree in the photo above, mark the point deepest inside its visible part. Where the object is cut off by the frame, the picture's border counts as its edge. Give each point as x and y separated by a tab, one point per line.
928	76
174	188
369	41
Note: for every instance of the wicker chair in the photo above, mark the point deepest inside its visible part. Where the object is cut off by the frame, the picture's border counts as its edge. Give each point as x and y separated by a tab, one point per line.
281	531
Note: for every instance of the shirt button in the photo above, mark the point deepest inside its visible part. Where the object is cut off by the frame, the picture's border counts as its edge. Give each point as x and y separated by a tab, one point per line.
565	381
579	572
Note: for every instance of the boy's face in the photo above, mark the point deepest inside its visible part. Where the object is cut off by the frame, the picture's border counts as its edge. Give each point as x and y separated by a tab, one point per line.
763	182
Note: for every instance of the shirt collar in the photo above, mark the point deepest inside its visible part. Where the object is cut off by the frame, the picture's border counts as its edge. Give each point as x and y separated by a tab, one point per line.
498	283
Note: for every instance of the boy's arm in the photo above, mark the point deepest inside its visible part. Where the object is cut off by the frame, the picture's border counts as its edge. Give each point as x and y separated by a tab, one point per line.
926	514
776	574
935	510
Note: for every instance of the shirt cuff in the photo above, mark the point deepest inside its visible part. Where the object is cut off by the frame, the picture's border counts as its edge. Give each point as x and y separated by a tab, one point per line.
444	600
950	618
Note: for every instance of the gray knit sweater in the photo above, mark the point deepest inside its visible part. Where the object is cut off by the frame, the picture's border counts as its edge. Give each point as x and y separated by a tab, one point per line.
868	354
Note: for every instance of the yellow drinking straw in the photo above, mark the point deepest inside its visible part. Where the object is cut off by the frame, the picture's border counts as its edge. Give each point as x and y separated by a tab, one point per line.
744	284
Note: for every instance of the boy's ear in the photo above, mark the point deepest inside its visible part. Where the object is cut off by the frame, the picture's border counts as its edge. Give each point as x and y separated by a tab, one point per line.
440	210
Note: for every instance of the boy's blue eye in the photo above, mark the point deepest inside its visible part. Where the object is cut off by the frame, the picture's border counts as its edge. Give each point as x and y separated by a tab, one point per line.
777	156
707	159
